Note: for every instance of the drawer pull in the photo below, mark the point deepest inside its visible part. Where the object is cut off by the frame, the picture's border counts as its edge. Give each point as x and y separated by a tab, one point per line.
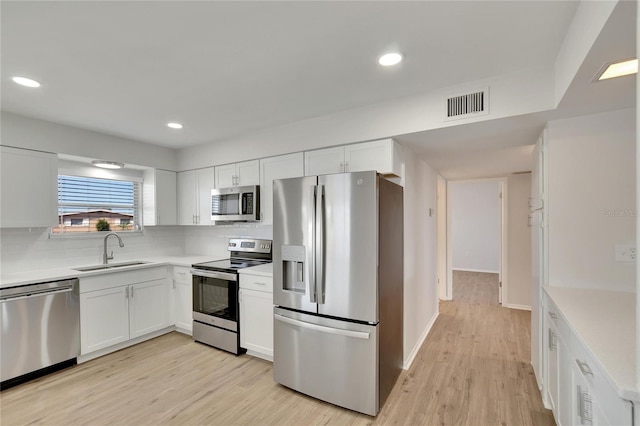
553	315
259	283
584	368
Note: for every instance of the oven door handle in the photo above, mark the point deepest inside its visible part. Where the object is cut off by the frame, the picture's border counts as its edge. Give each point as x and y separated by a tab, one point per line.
213	274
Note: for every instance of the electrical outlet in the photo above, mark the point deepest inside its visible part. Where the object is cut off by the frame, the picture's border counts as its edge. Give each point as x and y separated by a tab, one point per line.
626	253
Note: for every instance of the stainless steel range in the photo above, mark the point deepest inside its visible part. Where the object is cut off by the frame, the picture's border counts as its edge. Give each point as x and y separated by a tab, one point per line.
215	293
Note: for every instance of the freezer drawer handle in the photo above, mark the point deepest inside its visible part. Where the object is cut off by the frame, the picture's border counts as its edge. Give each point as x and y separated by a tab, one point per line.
323	329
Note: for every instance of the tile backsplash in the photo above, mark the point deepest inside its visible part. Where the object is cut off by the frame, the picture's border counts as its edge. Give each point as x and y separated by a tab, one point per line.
23	249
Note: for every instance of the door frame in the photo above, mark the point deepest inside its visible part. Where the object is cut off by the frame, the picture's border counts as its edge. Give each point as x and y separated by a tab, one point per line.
502	269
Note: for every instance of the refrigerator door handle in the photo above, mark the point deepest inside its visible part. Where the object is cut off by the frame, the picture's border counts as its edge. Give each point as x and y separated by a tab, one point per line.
322	328
313	296
319	245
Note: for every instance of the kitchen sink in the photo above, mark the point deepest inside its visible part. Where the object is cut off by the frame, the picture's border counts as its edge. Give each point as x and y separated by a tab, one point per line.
108	266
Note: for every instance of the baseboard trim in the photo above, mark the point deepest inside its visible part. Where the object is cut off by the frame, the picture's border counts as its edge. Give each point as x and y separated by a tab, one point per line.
514	306
407	364
485	271
105	351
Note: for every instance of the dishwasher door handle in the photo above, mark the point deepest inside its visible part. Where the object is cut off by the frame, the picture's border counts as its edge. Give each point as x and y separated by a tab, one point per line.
32	294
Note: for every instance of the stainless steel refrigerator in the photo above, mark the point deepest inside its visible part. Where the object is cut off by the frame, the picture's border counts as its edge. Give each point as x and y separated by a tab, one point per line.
338	287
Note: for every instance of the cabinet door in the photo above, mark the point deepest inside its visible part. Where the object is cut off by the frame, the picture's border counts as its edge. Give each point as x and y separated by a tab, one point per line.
382	156
166	211
256	322
553	372
225	176
187	206
281	167
104	316
206	182
183	299
29	188
324	161
148	307
248	173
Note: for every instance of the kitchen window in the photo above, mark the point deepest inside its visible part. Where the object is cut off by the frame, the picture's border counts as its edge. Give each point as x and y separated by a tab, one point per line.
88	204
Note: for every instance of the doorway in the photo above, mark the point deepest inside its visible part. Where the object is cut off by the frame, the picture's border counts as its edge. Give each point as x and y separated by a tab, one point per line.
476	240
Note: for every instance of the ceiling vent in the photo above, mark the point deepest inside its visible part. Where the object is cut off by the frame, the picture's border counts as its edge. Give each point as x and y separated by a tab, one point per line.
466	105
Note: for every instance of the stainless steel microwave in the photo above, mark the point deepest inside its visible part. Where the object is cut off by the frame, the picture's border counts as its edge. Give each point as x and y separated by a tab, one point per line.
236	204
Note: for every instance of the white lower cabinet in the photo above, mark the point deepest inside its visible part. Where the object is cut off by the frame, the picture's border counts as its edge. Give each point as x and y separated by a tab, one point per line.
256	315
118	307
148	307
576	385
104	318
183	299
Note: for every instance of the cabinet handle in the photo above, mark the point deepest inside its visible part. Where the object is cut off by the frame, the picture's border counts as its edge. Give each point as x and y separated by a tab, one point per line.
553	343
131	292
584	368
342	166
585	408
174	284
126	292
259	283
346	166
553	315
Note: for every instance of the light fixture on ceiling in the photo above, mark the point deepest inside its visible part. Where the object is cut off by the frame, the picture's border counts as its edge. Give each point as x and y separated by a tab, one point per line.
390	59
617	69
174	125
27	82
107	164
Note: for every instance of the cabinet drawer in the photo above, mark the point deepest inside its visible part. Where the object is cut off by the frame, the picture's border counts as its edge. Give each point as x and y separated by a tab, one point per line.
553	316
617	410
182	274
117	279
256	282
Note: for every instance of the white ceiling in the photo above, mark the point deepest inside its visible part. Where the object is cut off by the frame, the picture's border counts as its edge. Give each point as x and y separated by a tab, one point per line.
227	68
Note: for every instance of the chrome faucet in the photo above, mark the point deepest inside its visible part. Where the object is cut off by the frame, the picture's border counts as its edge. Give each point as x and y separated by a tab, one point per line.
105	257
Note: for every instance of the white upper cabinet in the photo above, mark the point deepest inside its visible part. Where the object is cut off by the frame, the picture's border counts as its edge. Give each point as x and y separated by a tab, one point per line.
186	196
238	174
324	161
29	186
383	155
159	198
281	167
194	196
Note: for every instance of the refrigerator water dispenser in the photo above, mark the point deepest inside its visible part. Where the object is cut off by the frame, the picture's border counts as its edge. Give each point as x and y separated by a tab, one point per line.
293	258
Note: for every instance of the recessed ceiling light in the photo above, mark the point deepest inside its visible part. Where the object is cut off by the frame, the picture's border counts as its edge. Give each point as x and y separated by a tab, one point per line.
107	164
23	81
618	69
390	59
174	125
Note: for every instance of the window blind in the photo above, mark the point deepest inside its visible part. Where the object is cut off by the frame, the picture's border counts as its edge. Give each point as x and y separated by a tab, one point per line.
116	202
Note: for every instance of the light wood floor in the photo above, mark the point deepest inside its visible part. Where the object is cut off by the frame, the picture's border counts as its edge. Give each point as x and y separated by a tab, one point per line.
473	369
475	287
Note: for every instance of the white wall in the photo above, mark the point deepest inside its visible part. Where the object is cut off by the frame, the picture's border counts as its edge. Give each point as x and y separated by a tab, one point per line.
517	293
475	225
512	94
23	249
23	132
441	216
420	253
592	200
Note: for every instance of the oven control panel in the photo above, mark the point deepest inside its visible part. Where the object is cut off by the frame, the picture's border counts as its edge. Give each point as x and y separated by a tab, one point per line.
249	245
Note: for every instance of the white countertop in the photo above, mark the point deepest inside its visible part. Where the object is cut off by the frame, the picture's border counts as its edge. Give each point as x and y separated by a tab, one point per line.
44	275
265	270
605	323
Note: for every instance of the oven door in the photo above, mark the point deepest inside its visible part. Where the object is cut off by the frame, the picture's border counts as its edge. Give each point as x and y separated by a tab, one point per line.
215	298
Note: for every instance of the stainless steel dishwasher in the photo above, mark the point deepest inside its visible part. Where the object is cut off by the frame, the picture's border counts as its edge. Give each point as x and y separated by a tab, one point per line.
40	329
